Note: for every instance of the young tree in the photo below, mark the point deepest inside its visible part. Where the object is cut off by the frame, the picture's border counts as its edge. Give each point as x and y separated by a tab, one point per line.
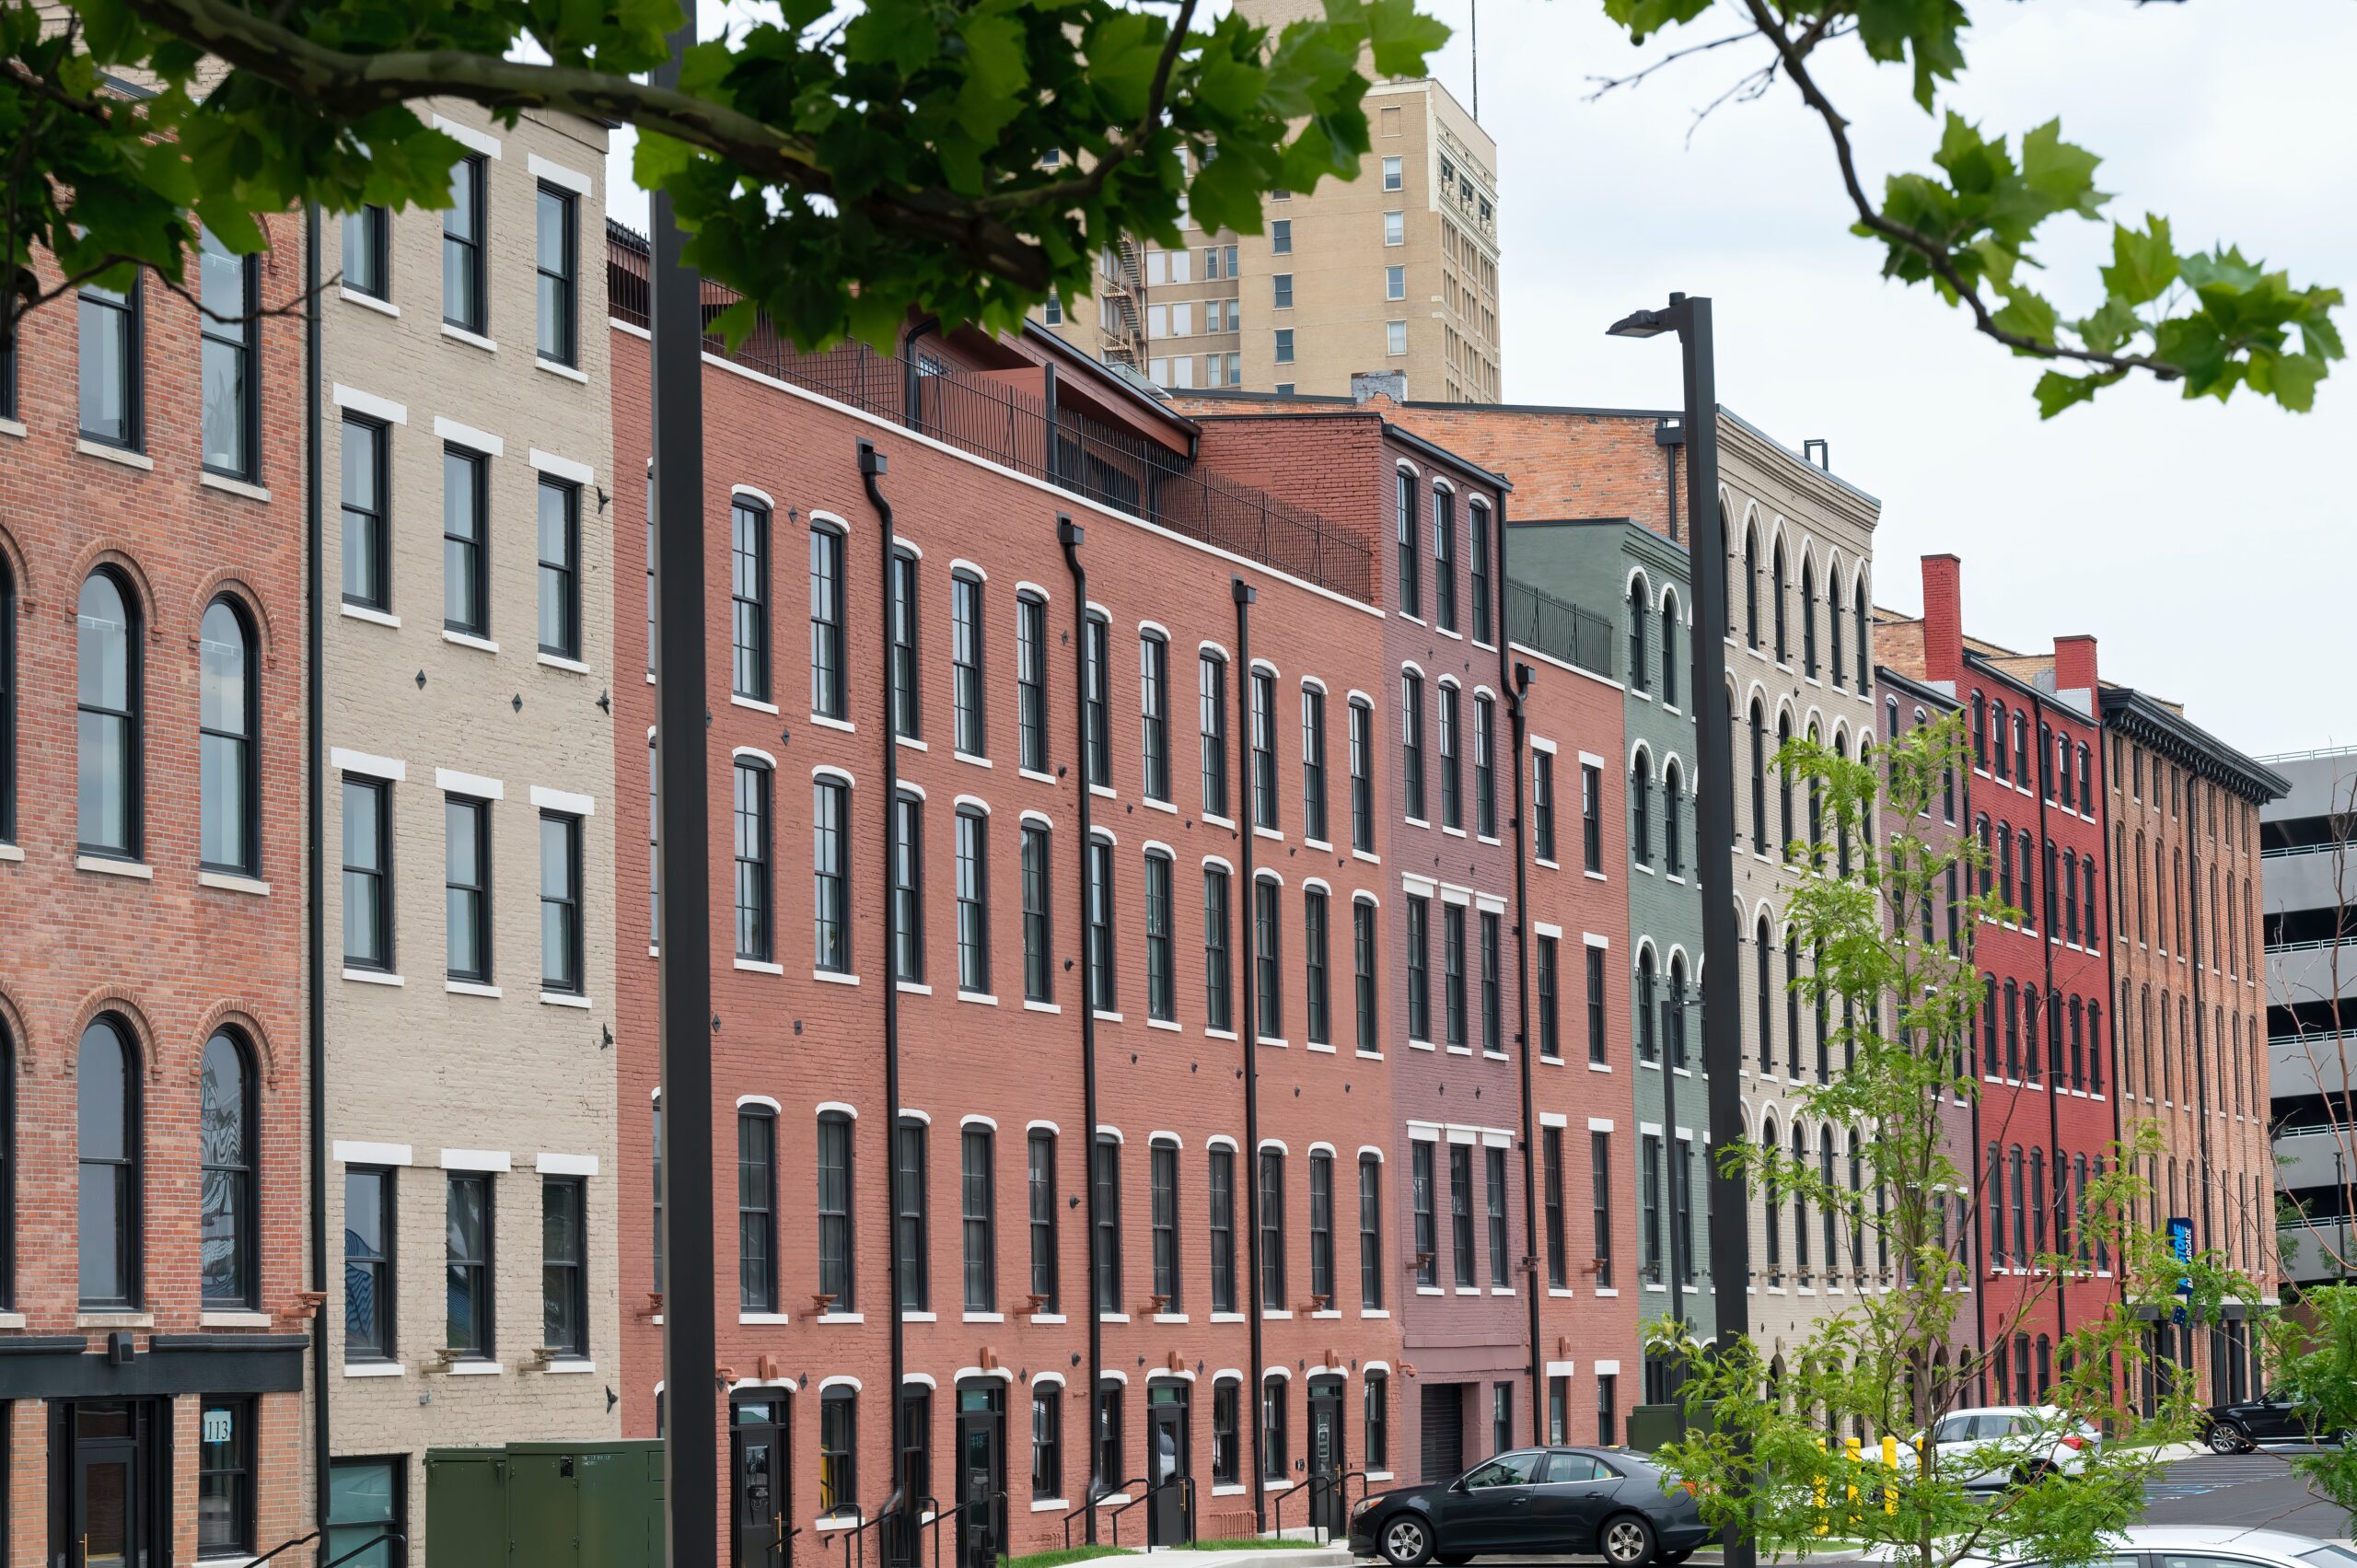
841	167
1765	1447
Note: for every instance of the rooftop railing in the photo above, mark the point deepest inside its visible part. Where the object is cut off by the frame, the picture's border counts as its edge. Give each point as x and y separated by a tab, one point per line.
1559	630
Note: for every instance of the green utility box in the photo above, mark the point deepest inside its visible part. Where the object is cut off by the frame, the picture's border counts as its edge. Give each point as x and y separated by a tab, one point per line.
545	1505
1650	1426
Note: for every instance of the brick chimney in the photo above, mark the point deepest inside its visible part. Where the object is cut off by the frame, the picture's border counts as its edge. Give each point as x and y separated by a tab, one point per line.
1367	384
1943	620
2075	664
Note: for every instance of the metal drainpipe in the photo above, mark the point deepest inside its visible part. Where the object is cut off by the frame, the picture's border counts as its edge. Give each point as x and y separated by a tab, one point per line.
2053	1023
1515	679
2112	934
872	465
2206	1234
1978	1243
1243	593
314	935
1071	535
912	384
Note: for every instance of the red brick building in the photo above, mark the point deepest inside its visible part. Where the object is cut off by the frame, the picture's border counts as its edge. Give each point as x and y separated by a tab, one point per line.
1128	812
152	1067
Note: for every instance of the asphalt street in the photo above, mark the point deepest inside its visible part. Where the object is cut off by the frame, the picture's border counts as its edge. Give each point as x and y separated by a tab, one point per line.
2259	1489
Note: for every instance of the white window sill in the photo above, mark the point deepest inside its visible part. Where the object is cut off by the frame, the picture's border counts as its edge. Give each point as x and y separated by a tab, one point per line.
1322	1047
982	997
907	1317
564	1364
1460	1050
982	1317
823	721
1270	1039
1171	1024
1102	1017
1048	1318
473	340
912	742
1420	1045
106	866
1430	1290
826	1527
1227	1318
476	1369
372	976
1112	1316
913	987
758	966
1035	774
375	1369
123	455
1102	793
1375	1312
1276	1315
1368	855
1271	835
230	882
11	851
1170	1317
558	661
374	617
765	1317
969	757
1468	1290
469	988
1328	1312
1212	820
554	368
753	703
1368	1055
842	1317
1153	805
1050	1505
1452	832
562	999
1219	1034
1031	1006
1415	821
368	302
834	977
1229	1491
469	640
233	1319
227	486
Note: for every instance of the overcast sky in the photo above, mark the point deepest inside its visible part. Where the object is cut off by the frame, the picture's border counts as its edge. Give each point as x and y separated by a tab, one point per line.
2210	550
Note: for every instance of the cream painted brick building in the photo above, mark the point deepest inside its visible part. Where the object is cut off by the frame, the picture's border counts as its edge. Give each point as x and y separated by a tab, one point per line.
451	1062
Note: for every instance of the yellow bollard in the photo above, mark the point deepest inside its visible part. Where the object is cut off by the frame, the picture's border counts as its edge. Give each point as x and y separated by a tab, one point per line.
1823	1526
1850	1451
1890	1463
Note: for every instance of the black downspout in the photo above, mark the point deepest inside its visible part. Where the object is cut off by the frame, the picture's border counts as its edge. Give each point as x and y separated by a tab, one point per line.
1979	1243
315	934
2206	1233
1055	428
1071	535
912	398
1244	594
2046	938
1516	679
872	465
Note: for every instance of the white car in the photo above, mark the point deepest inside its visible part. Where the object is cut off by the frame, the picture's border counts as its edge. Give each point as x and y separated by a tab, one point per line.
2208	1546
1996	1445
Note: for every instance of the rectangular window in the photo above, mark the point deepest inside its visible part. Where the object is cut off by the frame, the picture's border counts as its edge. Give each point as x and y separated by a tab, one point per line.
1038	969
1154	713
826	623
830	874
1460	1212
1031	682
112	387
1595	1005
561	939
225	1477
1420	1003
835	1276
1047	1443
1281	292
368	1260
1281	236
1161	990
1681	1205
367	252
229	391
1420	1191
365	1501
466	875
755	929
557	244
1411	599
1452	927
911	1217
748	597
756	1212
1361	740
1608	1418
469	1230
1559	1410
1485	773
1096	735
1395	338
1284	345
1495	1160
1557	1263
1268	979
1493	1024
564	1265
1105	1246
1370	1233
368	873
1228	1464
1378	1422
973	902
1551	1030
1592	816
1363	975
907	708
1542	804
1164	1161
1452	760
1221	1187
560	568
1501	1417
966	664
1412	746
908	890
1100	916
1480	571
1041	1191
1395	283
1211	709
1443	529
978	1215
1318	1014
1321	1231
839	1452
1217	1013
1273	1230
1395	228
1599	1156
466	541
367	561
462	247
1313	764
1393	175
1649	1206
1264	749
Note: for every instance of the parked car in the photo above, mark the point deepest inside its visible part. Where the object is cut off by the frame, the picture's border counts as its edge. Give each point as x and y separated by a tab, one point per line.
2275	1416
2205	1546
1557	1501
1996	1445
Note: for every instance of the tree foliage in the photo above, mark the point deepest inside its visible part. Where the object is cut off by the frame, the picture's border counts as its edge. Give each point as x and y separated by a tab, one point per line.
1765	1447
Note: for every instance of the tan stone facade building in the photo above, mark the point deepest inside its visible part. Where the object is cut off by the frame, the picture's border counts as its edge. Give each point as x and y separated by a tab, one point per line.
468	667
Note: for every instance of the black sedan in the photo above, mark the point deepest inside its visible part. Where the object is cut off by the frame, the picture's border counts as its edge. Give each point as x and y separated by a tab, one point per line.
1555	1501
2275	1416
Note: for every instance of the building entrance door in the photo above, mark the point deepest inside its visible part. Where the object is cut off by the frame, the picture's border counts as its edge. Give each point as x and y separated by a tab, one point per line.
111	1504
1170	1517
1327	1458
982	1471
759	1481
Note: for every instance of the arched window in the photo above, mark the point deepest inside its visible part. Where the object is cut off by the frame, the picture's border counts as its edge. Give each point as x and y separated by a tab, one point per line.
1773	1212
1776	600
224	1133
107	1147
1861	652
1751	584
106	705
1997	740
1648	1042
1808	617
1759	778
1672	814
1676	1010
2013	1030
1833	630
1641	832
1763	1000
1992	1063
8	706
2071	895
228	803
1669	650
1829	1213
1640	675
1815	811
1800	1206
1791	1007
7	1168
1784	782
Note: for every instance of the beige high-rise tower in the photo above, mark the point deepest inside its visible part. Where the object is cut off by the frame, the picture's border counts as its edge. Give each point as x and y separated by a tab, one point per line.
1396	270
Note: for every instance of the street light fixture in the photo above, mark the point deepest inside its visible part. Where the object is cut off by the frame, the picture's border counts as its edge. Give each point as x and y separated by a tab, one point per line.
1715	820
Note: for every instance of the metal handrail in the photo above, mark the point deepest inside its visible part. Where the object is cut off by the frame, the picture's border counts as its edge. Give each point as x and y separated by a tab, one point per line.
1333	1481
1095	1498
287	1546
376	1540
857	1536
932	1521
1185	1482
2324	846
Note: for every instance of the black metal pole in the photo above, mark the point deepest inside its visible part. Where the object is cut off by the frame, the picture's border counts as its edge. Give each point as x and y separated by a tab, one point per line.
315	929
691	1415
1244	594
1715	843
1072	536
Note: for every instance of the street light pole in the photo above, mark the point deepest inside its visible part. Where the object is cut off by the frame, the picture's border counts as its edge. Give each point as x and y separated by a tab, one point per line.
1714	824
691	1416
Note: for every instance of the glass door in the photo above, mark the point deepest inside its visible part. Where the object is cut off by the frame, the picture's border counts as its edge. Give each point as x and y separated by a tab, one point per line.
758	1483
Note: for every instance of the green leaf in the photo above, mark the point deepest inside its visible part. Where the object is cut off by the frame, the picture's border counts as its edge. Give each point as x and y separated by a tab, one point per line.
2143	261
2057	391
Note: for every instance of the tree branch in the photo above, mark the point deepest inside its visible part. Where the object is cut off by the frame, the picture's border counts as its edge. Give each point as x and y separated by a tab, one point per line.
1127	146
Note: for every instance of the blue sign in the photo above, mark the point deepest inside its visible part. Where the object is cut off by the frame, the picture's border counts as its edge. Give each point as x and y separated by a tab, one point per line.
2182	1249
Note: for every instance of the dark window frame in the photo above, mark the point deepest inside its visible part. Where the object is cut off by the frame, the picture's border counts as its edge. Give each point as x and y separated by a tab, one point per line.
562	279
473	1276
468	256
564	1281
566	906
559	580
